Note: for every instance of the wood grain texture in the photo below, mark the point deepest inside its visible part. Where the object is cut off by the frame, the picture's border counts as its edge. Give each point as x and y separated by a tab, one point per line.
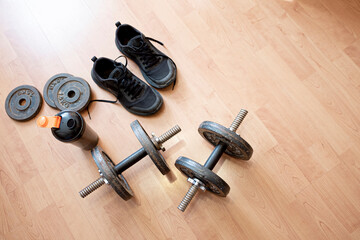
294	65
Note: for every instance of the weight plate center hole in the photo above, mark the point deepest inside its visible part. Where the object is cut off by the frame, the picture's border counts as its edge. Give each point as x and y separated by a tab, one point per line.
22	102
71	94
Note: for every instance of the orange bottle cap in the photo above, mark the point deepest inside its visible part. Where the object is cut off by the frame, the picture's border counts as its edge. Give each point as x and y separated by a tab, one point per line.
49	122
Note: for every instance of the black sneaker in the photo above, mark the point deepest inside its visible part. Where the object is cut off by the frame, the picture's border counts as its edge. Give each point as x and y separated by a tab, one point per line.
132	93
158	69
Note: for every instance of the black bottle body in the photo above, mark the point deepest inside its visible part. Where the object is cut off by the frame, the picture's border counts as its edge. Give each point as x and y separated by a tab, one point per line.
73	129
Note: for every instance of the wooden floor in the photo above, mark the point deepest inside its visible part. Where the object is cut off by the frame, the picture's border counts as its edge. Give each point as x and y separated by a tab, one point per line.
294	65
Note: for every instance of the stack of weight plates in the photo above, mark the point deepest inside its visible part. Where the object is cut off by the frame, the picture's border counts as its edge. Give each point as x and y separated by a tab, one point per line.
66	92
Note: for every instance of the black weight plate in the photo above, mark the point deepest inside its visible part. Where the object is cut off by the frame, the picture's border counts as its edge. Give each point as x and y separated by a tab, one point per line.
212	181
106	167
72	94
23	103
236	146
50	85
149	147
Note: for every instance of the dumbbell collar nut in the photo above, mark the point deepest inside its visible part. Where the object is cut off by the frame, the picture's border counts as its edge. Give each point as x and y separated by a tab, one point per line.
156	141
197	182
102	176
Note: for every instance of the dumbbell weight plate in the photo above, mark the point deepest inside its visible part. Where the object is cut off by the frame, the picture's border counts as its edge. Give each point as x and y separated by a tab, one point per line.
73	93
23	103
50	85
106	167
212	181
149	147
236	146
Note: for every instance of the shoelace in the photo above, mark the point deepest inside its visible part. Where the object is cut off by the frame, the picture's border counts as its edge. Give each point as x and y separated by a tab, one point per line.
124	83
149	57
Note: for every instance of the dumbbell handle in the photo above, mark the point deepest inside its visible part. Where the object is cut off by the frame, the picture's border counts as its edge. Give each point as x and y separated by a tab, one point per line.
141	153
130	161
221	147
215	155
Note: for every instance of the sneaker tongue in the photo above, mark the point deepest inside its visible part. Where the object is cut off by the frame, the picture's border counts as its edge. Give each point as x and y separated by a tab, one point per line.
116	73
136	41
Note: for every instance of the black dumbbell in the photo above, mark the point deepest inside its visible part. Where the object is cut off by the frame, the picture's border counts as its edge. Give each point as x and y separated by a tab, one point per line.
225	140
112	174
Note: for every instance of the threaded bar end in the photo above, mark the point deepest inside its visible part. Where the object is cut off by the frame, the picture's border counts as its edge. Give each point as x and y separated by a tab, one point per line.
92	187
237	121
187	199
169	134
